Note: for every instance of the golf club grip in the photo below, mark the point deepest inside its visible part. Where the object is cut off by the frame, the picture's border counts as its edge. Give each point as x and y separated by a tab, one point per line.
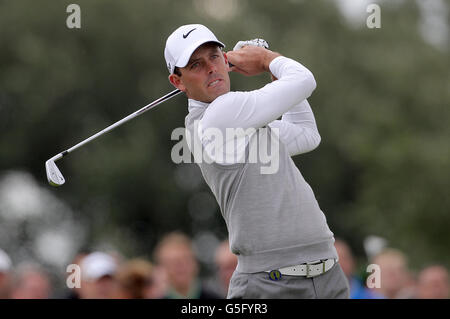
263	46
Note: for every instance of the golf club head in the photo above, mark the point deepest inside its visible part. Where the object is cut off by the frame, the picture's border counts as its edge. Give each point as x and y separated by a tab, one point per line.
54	176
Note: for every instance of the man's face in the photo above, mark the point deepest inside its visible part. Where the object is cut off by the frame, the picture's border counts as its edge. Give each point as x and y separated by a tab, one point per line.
180	264
205	77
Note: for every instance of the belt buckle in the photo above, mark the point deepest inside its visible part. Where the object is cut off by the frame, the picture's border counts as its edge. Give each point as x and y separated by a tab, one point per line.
275	275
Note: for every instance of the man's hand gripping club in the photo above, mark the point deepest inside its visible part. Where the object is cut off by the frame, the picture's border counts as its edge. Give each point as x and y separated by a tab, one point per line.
251	57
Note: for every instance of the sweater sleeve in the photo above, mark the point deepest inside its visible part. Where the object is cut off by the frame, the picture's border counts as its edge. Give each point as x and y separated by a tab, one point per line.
255	109
297	129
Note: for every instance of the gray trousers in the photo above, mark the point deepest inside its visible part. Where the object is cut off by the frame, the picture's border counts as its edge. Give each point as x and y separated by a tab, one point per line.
331	285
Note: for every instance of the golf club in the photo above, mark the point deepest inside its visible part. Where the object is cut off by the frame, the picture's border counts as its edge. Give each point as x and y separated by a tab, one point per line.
54	176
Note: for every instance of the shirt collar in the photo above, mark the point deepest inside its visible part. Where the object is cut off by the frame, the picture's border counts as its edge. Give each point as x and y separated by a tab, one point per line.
195	104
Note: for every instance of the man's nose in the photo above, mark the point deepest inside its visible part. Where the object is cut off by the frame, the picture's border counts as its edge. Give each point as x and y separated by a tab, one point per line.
211	67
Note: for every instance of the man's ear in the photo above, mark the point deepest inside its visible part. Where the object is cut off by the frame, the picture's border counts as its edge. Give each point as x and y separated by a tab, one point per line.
226	60
177	82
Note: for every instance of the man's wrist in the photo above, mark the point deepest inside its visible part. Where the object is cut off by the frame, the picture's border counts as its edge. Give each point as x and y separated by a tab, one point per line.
270	56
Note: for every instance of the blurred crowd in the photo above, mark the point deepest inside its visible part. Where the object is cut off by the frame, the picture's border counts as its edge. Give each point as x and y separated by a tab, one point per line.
174	272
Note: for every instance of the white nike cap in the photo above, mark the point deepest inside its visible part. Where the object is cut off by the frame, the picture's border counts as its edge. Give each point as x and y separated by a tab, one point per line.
184	41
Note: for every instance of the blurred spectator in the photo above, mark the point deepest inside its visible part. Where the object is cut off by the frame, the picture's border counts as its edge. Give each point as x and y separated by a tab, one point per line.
135	279
30	282
97	276
409	288
226	263
433	283
159	287
175	254
5	275
394	276
357	288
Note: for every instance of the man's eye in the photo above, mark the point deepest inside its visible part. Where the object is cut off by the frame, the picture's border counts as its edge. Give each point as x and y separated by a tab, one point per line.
194	65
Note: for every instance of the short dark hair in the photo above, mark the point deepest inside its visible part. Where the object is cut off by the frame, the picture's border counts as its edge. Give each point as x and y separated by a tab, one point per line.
177	71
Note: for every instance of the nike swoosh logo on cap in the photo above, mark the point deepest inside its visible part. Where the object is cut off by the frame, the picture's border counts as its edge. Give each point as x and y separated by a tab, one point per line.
186	35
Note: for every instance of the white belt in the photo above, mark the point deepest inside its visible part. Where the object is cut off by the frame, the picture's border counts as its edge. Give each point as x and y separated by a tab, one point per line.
309	270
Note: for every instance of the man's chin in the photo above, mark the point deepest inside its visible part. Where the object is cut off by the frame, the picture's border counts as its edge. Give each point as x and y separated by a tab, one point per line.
218	92
210	96
221	93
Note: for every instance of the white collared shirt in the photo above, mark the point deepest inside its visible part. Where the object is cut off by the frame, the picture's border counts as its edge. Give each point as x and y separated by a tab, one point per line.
285	97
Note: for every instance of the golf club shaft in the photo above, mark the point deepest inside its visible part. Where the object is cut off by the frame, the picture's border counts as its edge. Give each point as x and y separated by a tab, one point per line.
118	123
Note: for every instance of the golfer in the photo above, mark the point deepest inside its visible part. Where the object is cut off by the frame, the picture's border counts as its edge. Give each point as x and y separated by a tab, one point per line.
276	228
